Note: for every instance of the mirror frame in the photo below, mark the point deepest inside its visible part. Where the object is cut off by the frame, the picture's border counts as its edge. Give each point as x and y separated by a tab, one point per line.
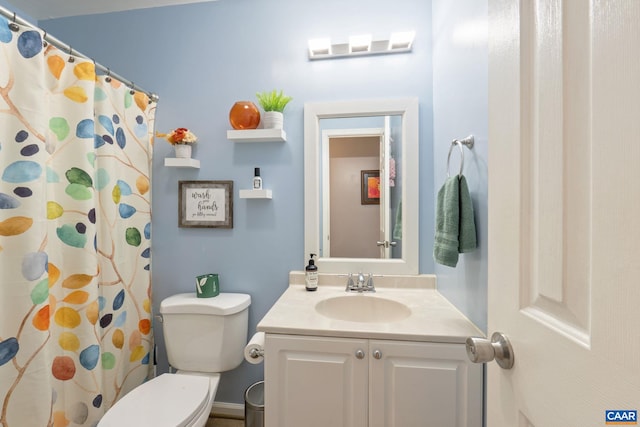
313	113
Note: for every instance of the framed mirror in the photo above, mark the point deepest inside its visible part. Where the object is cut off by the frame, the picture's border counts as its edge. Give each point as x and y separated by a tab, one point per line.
361	185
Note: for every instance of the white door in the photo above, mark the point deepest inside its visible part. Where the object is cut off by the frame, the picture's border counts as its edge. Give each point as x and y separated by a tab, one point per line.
385	239
564	210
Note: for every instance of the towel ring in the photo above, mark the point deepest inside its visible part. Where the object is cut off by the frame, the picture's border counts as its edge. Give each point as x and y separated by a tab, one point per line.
468	141
453	144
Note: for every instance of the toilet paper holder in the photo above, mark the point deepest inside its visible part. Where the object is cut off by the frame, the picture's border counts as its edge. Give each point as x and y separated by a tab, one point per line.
256	353
254	350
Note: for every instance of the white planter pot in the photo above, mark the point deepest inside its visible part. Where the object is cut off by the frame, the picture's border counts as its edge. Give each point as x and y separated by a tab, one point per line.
272	120
183	151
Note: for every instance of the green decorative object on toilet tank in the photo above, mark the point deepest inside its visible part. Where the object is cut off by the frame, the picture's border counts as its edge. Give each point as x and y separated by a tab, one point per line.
207	286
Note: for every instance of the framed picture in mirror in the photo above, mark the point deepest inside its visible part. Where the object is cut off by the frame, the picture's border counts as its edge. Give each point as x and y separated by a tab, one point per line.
370	187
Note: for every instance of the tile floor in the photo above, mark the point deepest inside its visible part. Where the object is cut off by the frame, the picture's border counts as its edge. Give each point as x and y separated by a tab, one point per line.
224	422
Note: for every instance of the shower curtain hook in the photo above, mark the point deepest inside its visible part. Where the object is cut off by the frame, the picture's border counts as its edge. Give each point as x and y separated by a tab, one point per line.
132	91
44	40
71	58
108	78
13	26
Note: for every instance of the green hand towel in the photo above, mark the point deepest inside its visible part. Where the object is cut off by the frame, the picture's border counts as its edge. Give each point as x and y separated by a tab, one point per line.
467	237
445	248
455	224
397	228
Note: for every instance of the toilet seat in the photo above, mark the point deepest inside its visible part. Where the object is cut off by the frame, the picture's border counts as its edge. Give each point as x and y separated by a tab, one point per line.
168	400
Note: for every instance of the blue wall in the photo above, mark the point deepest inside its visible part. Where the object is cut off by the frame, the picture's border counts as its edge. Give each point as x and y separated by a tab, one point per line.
200	59
460	99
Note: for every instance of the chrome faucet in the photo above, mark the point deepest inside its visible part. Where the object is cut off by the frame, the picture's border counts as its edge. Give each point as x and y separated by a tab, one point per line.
361	284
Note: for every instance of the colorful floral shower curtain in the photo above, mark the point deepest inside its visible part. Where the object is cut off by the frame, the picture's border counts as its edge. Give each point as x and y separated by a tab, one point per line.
75	237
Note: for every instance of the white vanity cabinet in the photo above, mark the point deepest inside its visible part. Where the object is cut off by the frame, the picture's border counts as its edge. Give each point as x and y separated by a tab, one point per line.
314	381
423	384
326	381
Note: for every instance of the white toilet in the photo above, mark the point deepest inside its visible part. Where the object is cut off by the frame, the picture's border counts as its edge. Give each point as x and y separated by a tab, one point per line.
203	337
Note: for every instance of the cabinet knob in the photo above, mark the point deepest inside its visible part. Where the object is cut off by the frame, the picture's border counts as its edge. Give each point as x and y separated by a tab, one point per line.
359	354
377	354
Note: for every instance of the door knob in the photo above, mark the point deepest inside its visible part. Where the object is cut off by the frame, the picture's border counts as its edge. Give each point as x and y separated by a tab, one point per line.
359	354
386	243
481	350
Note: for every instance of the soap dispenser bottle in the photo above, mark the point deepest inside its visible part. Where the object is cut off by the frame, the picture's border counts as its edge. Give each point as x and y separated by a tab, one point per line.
257	181
311	275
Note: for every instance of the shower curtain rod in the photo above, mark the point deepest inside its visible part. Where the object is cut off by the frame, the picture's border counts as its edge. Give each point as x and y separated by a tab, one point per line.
11	16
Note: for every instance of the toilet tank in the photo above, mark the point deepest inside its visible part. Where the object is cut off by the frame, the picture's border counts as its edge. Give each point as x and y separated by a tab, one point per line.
205	334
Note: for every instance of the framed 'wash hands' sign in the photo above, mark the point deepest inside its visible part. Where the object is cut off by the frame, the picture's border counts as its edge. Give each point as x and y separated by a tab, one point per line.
205	204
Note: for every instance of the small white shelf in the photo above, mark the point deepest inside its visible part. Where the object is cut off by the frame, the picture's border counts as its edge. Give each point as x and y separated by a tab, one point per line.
257	135
174	162
255	194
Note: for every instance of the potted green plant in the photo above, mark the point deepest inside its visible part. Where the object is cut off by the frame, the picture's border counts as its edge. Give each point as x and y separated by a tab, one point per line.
273	104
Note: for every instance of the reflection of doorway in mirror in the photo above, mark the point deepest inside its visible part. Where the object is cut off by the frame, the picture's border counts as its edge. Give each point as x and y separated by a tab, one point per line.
354	228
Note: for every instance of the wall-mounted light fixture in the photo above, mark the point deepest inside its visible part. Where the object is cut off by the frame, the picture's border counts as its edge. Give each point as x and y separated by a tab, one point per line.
362	44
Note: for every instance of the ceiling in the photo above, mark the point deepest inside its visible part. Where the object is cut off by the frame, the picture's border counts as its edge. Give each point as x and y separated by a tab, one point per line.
39	9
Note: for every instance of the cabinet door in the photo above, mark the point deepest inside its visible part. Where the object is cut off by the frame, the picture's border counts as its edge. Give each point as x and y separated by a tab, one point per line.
315	382
423	384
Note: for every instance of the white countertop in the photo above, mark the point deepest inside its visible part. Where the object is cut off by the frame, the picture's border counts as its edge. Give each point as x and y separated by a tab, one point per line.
433	318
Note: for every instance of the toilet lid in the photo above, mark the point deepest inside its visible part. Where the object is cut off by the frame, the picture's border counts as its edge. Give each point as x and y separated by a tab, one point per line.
224	304
167	400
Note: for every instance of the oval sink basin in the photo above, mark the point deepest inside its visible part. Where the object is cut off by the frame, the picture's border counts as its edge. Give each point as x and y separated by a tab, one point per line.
363	308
